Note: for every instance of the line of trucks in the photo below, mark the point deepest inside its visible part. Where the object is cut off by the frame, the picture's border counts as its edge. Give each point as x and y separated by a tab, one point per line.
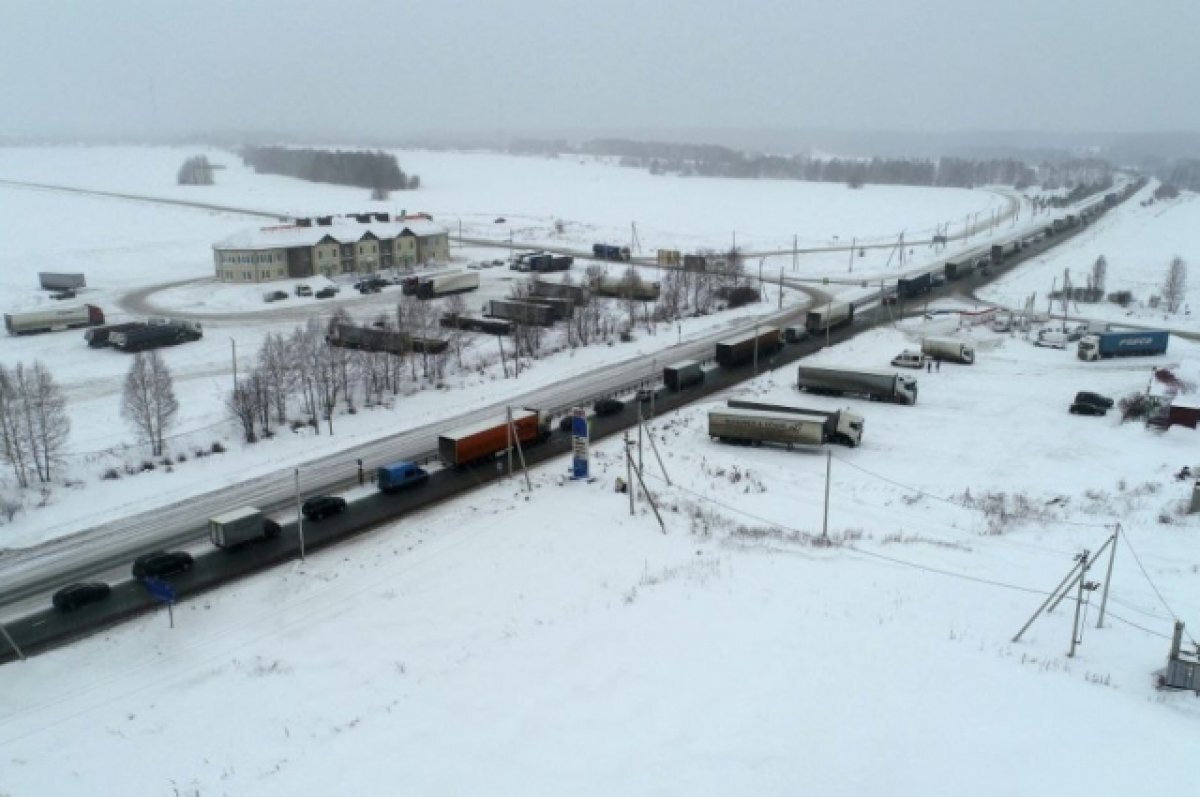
135	336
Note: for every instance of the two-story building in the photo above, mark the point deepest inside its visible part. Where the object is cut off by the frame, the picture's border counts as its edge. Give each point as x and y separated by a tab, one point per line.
329	245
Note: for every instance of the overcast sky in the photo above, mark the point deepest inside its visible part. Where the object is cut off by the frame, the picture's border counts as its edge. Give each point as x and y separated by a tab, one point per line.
400	69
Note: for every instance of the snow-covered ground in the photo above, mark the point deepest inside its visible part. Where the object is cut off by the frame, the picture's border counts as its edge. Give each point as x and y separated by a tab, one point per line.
1138	243
124	245
550	642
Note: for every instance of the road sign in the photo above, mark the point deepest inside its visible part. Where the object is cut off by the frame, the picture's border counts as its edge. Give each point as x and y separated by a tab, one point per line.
162	590
579	443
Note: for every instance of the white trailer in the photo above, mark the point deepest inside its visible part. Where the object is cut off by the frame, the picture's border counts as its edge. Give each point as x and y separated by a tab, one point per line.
755	427
240	526
446	284
841	426
948	349
875	385
89	315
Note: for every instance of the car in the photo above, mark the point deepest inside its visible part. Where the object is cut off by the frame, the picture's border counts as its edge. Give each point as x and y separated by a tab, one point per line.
1086	408
608	406
72	596
500	220
937	280
322	506
888	298
565	423
304	290
274	296
65	293
366	289
645	394
326	293
162	563
1087	397
497	263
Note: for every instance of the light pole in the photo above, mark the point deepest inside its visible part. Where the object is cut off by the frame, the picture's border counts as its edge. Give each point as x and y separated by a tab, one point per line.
233	344
299	516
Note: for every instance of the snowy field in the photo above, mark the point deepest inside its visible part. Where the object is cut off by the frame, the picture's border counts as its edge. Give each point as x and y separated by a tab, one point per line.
124	245
550	643
1138	243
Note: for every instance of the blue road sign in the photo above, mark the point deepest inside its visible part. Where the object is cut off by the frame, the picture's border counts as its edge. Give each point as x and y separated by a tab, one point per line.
160	589
579	443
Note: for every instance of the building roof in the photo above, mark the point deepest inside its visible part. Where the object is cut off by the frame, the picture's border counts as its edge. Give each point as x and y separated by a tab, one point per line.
342	231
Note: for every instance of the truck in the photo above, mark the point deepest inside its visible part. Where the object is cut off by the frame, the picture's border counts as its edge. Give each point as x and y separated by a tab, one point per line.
610	252
843	427
1135	343
558	290
620	288
98	337
547	262
682	375
54	281
88	315
911	287
155	333
482	441
445	284
833	380
796	334
755	427
948	349
520	311
488	326
396	476
830	315
350	336
733	352
563	308
1002	251
240	526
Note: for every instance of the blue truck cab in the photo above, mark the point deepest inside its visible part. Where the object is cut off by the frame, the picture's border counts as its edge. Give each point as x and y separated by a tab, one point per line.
399	476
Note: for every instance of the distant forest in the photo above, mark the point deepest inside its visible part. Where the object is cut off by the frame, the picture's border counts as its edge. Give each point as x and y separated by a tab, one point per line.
1182	174
704	160
375	170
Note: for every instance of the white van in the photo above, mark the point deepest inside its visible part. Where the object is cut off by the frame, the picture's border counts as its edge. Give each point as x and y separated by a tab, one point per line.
909	359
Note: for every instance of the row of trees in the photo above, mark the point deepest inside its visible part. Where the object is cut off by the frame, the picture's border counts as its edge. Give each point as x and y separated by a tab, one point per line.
33	422
195	171
378	171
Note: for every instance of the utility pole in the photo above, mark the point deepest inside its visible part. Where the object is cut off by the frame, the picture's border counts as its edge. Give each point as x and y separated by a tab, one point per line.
853	246
825	518
233	344
629	472
780	289
795	252
756	349
1108	576
1083	558
509	432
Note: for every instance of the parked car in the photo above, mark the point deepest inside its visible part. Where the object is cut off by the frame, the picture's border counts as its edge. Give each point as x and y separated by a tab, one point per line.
304	290
274	296
326	293
565	423
323	506
608	406
1087	397
162	563
500	220
937	280
645	393
71	597
1087	408
65	293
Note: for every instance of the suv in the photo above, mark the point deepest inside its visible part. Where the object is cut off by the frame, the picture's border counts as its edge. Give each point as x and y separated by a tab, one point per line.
162	563
1087	408
71	597
322	506
303	290
608	406
326	293
274	296
1095	399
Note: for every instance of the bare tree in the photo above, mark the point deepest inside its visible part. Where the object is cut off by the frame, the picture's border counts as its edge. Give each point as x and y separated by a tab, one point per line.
242	405
16	447
52	423
1174	287
1099	274
148	401
277	367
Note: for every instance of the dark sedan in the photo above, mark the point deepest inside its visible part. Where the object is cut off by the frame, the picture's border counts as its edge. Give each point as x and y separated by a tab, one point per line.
71	597
1087	408
162	563
322	506
607	406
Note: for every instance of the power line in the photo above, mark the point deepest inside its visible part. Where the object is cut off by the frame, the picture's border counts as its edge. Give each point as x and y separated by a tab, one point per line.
1150	581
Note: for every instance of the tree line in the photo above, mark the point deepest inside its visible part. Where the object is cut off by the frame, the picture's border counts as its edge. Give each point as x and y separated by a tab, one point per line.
374	170
710	160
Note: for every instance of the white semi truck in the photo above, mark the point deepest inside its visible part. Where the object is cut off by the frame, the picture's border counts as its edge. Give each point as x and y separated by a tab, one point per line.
876	385
948	349
843	427
755	427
